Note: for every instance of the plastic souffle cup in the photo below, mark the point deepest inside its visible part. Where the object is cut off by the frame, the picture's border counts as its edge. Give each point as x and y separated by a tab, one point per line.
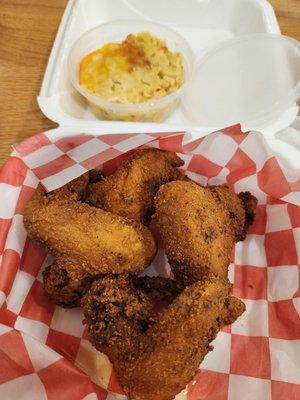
116	31
250	79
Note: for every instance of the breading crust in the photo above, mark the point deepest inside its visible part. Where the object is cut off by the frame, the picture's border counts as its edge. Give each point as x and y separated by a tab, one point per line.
130	191
199	226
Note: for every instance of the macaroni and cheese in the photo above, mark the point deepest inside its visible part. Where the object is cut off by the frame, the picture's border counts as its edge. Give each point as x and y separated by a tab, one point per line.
139	69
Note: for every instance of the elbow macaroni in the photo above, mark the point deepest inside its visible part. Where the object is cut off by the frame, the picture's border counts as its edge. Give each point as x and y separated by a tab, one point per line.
139	69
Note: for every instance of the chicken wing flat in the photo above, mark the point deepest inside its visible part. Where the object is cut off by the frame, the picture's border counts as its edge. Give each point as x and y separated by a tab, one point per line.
199	227
84	237
130	191
156	356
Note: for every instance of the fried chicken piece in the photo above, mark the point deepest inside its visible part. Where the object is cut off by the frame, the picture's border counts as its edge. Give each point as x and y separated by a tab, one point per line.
130	191
199	227
85	238
172	349
116	314
155	358
123	306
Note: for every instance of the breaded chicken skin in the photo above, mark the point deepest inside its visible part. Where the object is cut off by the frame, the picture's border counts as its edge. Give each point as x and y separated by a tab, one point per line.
66	283
199	227
162	291
130	191
83	237
116	314
155	357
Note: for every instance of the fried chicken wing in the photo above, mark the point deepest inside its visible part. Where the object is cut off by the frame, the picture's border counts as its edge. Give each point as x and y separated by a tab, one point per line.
130	191
199	227
155	357
172	349
85	238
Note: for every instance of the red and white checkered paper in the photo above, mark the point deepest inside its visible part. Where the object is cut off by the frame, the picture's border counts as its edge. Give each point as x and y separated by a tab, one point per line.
44	351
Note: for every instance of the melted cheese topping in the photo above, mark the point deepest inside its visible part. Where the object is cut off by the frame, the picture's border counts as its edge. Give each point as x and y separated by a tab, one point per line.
138	69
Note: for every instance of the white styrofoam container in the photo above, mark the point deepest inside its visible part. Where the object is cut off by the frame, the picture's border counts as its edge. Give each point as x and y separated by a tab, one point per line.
203	24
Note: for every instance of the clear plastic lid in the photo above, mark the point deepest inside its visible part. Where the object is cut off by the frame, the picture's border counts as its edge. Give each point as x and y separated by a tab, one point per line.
249	79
